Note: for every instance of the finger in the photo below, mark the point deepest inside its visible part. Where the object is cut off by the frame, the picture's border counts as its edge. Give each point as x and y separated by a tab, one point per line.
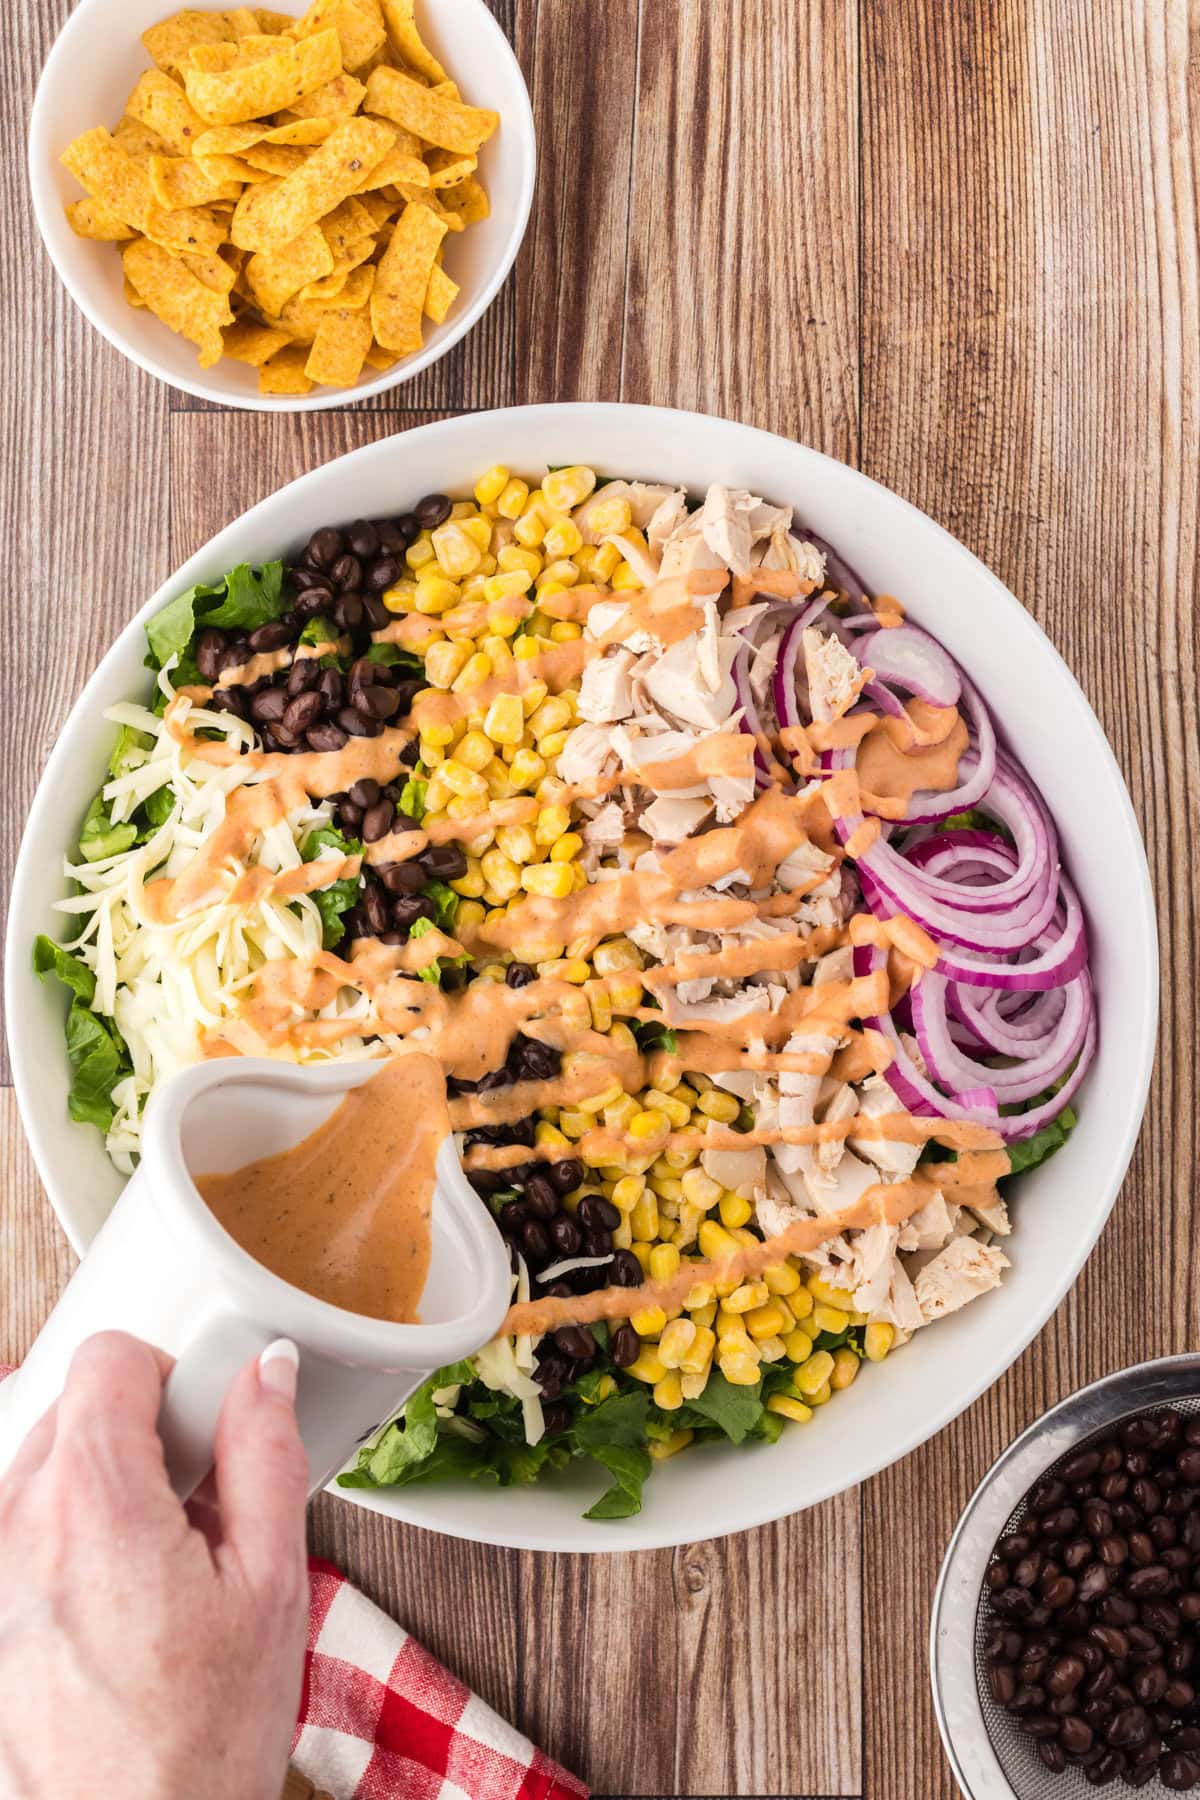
204	1514
33	1452
108	1416
262	1471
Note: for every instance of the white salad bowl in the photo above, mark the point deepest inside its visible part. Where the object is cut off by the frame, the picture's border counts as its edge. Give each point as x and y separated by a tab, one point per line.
94	63
1060	1206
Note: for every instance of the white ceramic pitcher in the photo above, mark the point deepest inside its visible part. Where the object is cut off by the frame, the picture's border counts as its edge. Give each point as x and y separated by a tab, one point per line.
163	1268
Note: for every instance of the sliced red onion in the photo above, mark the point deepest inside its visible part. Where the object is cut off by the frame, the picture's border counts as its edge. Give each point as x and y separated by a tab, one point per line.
907	657
751	723
838	573
1024	1125
1023	1080
983	1096
783	681
911	1088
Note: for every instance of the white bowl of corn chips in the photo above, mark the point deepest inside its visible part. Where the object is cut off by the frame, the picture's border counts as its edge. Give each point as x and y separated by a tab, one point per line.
282	210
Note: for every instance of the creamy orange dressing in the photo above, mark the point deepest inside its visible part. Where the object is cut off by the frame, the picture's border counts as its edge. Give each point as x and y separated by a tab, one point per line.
345	1214
779	584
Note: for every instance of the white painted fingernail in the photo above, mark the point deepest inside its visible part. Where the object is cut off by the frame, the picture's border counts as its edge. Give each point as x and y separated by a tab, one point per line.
278	1367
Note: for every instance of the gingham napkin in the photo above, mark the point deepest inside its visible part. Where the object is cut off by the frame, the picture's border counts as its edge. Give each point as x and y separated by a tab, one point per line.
381	1720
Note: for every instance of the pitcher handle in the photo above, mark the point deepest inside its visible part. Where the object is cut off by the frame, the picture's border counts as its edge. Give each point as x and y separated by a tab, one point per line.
195	1392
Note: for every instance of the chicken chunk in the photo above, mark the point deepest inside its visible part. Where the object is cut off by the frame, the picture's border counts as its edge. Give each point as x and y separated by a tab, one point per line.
834	678
961	1272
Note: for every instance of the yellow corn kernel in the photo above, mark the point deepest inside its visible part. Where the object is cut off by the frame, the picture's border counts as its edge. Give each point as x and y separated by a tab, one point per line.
648	1124
700	1189
625	577
722	1107
462	509
677	1337
563	538
662	1448
801	1303
735	1209
516	841
526	768
616	955
420	552
549	881
667	1188
625	992
492	484
771	1349
552	823
434	594
552	715
699	1296
462	780
699	1347
828	1295
573	1121
506	585
400	596
739	1370
715	1241
668	1394
456	550
822	1395
566	847
646	1366
676	1111
561	572
565	631
501	873
829	1318
443	662
744	1299
510	502
477	668
845	1369
664	1263
470	916
627	1192
474	526
504	722
470	885
529	529
643	1219
798	1346
546	1133
609	516
606	558
622	1236
787	1408
815	1373
877	1341
514	556
780	1279
618	1115
649	1321
475	750
563	489
766	1321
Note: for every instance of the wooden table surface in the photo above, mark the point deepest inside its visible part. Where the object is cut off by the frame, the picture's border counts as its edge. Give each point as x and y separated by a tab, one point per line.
953	242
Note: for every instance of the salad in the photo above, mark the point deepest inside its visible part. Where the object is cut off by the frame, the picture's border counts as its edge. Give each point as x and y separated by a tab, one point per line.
743	943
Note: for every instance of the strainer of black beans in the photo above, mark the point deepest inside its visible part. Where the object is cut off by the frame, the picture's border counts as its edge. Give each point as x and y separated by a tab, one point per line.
1092	1615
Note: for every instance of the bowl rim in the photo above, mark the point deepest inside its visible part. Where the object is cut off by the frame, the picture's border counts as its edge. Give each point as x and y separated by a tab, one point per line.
521	126
761	1506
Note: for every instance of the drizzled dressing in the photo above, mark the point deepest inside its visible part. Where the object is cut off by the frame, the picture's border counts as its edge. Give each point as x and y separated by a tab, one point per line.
345	1213
468	1034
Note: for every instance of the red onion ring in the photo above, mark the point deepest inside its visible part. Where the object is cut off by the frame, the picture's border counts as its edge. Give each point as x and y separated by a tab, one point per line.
907	657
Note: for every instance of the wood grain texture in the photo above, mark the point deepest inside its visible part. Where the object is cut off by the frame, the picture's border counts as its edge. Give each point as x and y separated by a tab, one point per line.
958	246
1031	377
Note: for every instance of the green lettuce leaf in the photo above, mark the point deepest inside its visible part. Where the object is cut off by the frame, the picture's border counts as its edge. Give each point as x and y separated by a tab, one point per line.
412	1438
245	599
445	904
95	1048
338	898
412	796
1027	1153
434	970
99	837
614	1435
130	750
392	657
319	631
735	1411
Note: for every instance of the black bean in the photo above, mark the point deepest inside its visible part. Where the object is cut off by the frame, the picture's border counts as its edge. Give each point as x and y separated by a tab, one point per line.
1110	1639
383	573
1129	1726
1151	1683
272	636
540	1196
626	1270
331	689
1080	1467
382	703
348	611
1059	1593
566	1174
270	705
576	1343
365	792
323	547
377	821
624	1346
1053	1756
1075	1736
375	906
555	1418
1076	1553
1149	1583
1066	1675
346	573
431	511
1025	1574
209	646
376	612
1062	1522
362	538
1096	1580
1113	1549
552	1375
519	974
325	737
349	816
302	712
1187	1738
405	525
402	878
1115	1609
597	1213
535	1239
230	700
356	724
1178	1772
304	673
446	862
1179	1695
538	1062
1113	1487
1148	1495
566	1234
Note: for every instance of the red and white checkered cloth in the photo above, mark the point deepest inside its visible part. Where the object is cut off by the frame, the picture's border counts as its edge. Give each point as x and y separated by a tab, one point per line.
380	1719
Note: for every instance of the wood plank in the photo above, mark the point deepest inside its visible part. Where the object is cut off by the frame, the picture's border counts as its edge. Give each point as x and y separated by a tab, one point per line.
36	1259
743	240
1031	378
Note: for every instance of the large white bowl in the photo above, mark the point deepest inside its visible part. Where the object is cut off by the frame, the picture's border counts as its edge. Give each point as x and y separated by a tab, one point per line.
94	63
1060	1207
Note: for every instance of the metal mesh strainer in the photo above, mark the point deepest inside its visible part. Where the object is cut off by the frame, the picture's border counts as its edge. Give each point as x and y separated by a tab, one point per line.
991	1757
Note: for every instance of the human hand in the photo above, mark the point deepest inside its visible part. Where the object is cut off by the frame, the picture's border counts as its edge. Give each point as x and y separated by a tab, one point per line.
147	1649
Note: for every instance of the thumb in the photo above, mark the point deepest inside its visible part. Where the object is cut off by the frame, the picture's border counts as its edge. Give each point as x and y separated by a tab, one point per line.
261	1471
